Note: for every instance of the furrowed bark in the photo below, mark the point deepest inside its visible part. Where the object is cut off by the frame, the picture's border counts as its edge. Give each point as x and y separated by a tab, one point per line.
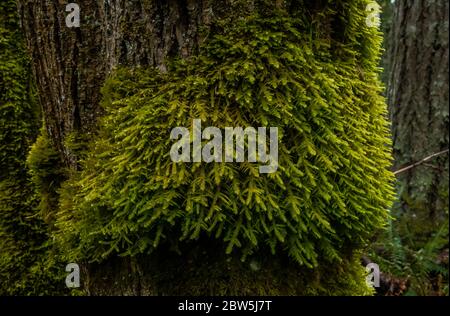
418	99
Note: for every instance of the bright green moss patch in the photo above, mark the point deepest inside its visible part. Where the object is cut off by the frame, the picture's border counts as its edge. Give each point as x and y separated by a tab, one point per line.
332	188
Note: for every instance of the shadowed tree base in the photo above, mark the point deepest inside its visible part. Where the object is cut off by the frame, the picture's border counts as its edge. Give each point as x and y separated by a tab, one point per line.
208	271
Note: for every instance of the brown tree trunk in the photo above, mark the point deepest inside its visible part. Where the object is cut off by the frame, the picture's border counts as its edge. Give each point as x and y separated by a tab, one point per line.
418	100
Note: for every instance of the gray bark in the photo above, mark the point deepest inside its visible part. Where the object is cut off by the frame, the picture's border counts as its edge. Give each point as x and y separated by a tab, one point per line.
418	98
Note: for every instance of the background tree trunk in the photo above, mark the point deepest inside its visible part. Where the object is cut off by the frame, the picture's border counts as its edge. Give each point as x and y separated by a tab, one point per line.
418	100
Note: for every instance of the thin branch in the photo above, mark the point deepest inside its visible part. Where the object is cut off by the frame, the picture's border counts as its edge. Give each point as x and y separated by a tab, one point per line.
420	162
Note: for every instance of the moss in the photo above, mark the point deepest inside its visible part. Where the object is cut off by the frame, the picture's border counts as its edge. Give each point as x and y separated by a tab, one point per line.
333	187
47	174
296	232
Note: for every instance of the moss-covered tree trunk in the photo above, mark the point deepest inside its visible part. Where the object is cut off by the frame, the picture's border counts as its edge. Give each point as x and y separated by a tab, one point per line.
418	99
71	65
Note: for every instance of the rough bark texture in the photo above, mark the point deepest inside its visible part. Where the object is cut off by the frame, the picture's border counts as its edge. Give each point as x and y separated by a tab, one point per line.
418	99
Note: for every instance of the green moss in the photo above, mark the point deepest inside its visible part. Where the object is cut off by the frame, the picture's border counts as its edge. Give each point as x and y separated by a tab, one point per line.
332	189
47	174
295	232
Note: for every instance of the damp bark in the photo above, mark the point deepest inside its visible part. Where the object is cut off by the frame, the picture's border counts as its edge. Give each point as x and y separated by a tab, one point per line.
418	98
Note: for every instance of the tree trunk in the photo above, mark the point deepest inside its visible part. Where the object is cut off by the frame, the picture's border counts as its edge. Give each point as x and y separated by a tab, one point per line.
418	100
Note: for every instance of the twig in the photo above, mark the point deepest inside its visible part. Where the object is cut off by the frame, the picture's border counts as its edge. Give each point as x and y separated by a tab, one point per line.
420	162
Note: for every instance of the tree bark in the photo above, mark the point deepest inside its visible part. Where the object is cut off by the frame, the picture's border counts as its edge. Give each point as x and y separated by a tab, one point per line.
418	100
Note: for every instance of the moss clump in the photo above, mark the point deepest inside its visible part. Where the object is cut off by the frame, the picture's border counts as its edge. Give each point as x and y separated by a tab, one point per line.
47	174
320	88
